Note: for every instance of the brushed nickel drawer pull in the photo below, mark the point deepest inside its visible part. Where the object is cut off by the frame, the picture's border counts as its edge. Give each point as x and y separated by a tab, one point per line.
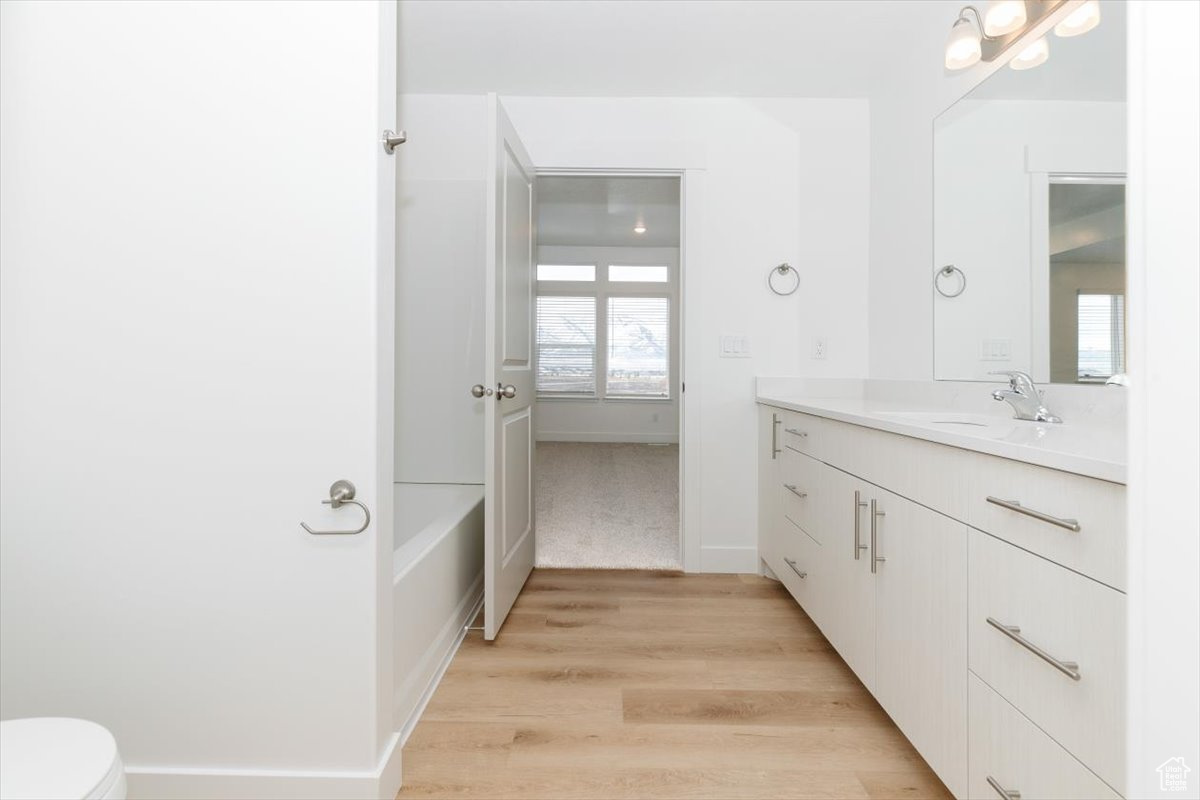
1015	505
775	423
791	487
1007	794
1068	668
859	504
797	432
792	564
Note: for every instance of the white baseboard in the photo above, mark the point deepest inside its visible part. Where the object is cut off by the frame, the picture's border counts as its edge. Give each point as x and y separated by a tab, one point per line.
729	559
637	438
183	783
442	652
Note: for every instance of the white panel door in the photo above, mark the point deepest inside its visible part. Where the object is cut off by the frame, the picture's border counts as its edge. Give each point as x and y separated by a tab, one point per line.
508	458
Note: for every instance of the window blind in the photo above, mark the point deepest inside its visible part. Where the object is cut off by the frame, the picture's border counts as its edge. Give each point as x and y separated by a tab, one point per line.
566	345
638	347
1101	324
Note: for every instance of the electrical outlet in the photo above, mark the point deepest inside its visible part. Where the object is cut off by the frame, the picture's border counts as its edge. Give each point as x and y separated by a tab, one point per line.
820	348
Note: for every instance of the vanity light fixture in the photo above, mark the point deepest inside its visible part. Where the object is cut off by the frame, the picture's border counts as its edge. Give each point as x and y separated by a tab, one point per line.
1002	25
1081	20
963	48
639	228
1032	56
1004	16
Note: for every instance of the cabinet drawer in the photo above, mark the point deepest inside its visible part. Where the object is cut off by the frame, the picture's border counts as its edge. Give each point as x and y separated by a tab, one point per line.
1019	757
1062	617
1027	501
798	489
814	436
794	557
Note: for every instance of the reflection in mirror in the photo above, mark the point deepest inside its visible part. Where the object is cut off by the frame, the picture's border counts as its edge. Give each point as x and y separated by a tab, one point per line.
1087	278
1029	212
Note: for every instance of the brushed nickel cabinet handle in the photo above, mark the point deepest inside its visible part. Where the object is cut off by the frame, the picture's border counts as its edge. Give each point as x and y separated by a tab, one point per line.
791	487
1007	794
1068	668
796	432
775	423
875	515
1015	505
859	504
792	564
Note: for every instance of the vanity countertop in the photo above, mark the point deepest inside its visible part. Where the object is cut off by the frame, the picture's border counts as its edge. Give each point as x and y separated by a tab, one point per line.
1092	450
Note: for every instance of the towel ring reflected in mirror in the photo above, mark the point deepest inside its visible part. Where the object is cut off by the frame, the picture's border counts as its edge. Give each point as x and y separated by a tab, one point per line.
946	272
783	270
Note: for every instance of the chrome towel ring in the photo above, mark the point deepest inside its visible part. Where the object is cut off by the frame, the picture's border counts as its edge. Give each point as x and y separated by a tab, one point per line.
946	272
783	270
341	493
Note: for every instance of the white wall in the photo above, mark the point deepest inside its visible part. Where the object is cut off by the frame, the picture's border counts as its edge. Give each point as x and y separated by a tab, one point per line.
1164	435
563	419
441	204
783	180
987	152
192	258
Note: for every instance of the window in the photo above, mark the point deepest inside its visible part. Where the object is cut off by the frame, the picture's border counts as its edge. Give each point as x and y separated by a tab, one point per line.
566	345
604	330
566	272
639	274
638	347
1101	336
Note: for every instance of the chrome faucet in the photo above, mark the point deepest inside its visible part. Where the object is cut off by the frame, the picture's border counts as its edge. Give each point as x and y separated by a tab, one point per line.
1024	397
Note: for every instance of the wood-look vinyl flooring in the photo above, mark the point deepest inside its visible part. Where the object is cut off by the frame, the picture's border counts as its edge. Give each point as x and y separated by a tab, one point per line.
613	684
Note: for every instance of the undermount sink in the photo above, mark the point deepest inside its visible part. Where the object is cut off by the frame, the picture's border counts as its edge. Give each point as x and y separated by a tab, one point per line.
981	424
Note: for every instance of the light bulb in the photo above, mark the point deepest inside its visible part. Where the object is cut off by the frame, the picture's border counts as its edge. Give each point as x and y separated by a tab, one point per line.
1081	20
962	48
639	228
1003	16
1033	55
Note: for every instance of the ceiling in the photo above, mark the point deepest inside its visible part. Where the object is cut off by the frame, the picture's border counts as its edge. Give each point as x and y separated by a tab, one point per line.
602	211
647	48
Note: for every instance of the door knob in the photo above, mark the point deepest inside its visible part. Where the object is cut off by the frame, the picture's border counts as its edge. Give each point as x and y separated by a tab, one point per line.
479	390
509	391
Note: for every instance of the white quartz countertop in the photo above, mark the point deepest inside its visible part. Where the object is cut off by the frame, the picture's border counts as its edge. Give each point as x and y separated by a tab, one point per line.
1081	447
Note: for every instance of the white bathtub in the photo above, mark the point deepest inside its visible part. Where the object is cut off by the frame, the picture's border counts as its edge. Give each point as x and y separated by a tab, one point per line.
437	586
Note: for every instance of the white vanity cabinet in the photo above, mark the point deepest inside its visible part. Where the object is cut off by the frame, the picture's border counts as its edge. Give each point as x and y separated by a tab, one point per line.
991	633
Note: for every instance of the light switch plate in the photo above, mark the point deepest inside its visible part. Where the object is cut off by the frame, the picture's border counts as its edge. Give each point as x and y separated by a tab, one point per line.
995	350
735	346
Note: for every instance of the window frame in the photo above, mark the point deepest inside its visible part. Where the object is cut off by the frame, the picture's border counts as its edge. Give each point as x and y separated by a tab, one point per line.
601	290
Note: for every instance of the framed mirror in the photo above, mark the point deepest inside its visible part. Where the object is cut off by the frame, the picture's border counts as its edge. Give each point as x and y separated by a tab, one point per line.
1029	217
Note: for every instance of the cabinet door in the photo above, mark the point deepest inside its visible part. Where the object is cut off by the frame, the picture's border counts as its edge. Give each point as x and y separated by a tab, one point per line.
770	421
851	606
921	629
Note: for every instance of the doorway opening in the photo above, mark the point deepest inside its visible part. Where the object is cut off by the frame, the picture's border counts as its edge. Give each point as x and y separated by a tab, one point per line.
608	371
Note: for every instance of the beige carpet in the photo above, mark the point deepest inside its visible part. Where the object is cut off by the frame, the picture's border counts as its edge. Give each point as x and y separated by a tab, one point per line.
607	506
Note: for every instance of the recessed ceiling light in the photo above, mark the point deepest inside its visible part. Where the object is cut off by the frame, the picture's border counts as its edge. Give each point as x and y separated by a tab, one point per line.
639	228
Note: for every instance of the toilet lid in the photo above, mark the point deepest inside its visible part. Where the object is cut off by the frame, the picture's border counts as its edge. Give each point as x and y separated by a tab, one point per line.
56	757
